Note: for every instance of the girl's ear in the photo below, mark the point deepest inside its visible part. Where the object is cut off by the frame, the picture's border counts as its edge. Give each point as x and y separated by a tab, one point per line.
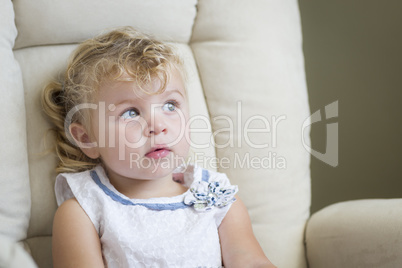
83	140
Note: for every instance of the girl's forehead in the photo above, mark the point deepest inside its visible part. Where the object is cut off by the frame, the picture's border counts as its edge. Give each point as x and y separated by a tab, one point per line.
113	90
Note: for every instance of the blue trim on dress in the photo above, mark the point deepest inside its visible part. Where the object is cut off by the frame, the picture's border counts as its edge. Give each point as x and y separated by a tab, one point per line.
117	198
205	175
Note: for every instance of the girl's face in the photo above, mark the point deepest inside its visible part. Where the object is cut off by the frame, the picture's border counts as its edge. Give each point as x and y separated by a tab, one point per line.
141	136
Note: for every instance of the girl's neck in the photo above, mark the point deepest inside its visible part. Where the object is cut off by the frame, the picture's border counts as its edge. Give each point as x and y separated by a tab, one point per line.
145	189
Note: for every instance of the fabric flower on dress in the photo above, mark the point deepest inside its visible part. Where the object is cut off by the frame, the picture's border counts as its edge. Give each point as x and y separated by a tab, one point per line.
205	195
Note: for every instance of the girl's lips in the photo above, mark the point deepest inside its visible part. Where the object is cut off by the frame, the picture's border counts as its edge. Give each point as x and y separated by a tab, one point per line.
157	153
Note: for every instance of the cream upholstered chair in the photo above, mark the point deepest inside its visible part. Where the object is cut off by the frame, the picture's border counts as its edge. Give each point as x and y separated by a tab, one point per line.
246	75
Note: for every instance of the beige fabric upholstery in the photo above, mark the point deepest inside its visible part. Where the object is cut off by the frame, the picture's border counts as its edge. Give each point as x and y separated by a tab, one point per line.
246	74
363	233
43	22
14	183
244	58
13	255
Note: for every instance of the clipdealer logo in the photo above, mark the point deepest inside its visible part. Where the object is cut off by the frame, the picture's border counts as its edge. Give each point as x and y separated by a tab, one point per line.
331	154
235	130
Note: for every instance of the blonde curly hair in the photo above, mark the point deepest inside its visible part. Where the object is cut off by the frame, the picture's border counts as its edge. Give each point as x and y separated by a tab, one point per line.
110	56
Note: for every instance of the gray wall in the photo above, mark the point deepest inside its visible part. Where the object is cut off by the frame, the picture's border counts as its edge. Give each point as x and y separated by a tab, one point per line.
353	54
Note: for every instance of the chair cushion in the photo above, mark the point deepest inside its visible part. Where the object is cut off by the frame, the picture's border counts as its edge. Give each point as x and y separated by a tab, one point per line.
13	255
360	233
251	66
15	201
40	64
44	22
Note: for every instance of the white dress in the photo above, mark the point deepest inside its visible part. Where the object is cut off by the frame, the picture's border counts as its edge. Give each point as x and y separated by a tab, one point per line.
179	231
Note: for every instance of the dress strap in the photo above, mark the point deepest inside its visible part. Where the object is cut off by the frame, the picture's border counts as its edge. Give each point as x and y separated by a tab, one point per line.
127	202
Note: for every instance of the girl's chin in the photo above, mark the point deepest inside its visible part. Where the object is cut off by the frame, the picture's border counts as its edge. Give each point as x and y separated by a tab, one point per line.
162	169
156	165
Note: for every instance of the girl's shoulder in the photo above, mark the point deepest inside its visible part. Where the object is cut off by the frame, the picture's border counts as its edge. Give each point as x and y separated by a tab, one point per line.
73	230
66	183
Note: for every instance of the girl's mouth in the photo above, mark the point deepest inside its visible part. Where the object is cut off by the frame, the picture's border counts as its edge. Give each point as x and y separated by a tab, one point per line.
158	152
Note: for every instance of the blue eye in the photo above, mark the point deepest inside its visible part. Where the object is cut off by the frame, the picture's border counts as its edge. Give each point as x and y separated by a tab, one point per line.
129	114
170	106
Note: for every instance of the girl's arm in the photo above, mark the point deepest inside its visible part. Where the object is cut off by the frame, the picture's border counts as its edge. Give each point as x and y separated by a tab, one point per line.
240	248
75	241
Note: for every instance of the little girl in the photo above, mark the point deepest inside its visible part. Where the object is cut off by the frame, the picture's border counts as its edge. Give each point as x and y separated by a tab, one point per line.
120	117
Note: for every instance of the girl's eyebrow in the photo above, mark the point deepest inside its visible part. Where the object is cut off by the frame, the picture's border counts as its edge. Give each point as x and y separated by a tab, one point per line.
166	93
125	101
170	92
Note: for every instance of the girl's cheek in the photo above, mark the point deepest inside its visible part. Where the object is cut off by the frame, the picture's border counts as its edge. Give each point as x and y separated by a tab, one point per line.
179	127
132	132
180	120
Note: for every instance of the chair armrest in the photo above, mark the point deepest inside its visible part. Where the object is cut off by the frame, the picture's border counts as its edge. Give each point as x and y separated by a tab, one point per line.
13	255
362	233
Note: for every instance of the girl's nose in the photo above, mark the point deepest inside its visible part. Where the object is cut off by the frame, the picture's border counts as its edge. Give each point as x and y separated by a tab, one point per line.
156	126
